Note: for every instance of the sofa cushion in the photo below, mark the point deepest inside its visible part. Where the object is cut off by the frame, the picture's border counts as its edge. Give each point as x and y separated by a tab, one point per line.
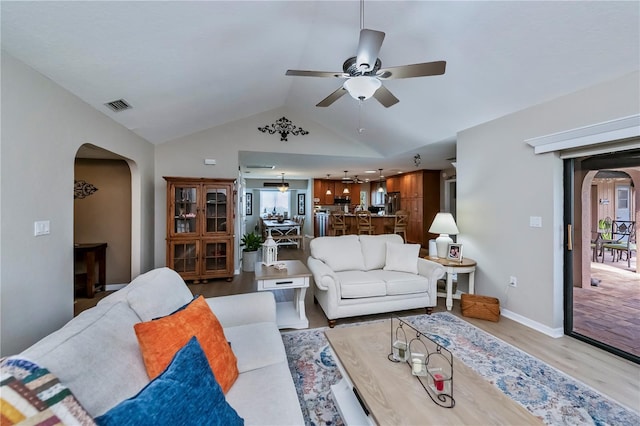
157	293
402	257
341	253
403	283
356	284
256	345
161	338
96	377
267	396
374	249
186	393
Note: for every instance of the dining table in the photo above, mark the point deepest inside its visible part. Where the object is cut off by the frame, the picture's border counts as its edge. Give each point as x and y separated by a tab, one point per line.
285	233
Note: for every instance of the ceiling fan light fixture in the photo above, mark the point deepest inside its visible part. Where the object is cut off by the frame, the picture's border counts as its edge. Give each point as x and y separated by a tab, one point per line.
362	87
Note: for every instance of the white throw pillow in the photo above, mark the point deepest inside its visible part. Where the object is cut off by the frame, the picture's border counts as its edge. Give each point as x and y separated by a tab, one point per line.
342	253
374	249
402	257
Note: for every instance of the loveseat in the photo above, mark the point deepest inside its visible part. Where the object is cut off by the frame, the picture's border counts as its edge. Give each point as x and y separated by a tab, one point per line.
370	274
97	354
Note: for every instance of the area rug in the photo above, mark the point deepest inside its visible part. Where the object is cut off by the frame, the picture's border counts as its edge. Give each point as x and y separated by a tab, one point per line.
546	392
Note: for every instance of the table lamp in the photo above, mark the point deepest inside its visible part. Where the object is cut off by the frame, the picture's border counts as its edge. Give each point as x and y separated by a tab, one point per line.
445	225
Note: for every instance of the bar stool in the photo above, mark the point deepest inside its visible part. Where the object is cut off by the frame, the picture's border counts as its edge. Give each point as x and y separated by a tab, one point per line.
363	219
338	223
400	223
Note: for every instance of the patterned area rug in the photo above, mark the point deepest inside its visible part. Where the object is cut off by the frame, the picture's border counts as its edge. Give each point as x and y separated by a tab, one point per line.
549	394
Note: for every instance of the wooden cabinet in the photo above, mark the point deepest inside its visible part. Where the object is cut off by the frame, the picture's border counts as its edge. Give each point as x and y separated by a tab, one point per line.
420	195
200	227
320	187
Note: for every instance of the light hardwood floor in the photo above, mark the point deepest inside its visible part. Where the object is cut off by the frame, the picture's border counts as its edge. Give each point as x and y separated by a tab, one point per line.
607	373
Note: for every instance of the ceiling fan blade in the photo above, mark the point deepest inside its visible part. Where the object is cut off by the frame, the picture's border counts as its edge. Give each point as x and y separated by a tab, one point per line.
385	97
300	73
415	70
368	49
332	97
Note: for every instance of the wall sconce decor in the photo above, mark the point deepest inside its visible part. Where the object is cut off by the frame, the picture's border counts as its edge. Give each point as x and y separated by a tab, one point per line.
82	189
284	127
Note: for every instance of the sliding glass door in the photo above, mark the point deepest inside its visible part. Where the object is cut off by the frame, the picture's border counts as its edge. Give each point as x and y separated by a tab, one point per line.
602	283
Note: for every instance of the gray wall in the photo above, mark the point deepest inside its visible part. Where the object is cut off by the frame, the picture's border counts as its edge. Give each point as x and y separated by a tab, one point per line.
501	183
43	126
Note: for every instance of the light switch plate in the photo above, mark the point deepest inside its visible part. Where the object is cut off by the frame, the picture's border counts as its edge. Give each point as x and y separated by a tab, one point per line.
41	227
535	221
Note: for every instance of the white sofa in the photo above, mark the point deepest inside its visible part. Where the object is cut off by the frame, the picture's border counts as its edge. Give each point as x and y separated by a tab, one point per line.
370	274
97	356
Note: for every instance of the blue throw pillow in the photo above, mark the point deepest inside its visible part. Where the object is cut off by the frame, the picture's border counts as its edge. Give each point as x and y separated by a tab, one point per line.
186	393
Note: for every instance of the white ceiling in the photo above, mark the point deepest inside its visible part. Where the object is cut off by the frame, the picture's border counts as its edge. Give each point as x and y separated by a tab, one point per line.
189	66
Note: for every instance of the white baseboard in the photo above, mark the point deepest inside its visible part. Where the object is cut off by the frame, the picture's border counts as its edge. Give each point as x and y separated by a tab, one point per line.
114	287
552	332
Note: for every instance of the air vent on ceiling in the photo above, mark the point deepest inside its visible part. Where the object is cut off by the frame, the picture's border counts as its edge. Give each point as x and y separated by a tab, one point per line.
274	184
118	105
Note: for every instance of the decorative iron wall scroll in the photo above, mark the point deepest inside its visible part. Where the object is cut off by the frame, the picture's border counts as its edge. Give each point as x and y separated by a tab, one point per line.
82	189
284	127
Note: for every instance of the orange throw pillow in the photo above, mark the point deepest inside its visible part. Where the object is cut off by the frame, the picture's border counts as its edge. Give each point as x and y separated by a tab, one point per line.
160	339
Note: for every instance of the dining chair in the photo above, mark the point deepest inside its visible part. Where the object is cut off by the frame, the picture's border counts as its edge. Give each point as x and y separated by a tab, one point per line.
338	224
400	223
363	219
623	240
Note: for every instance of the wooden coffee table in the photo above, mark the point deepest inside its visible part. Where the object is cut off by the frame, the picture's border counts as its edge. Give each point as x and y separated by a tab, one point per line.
393	396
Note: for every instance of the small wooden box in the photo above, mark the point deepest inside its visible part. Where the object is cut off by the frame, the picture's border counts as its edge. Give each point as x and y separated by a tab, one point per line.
482	307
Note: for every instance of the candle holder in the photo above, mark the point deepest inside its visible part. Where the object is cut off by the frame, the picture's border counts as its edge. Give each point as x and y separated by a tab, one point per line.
269	251
400	351
430	363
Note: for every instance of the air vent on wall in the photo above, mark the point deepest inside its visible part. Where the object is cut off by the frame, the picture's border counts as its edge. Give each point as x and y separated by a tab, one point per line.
260	166
118	105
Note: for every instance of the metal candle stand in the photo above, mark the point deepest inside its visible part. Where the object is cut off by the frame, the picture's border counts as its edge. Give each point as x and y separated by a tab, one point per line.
430	363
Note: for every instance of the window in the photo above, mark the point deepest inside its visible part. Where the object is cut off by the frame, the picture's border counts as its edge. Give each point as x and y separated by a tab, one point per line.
275	202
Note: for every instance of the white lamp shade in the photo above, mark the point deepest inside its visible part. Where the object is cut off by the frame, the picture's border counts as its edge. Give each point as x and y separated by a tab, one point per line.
444	223
362	87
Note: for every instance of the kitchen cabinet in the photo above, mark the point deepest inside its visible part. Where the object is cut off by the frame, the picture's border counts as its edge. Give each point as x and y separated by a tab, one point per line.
200	227
420	195
320	187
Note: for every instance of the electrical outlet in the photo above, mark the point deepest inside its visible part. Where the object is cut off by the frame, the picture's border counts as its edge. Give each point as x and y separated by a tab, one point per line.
513	281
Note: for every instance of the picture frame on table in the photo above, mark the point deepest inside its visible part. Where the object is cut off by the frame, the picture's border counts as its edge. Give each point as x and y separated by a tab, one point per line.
301	204
454	252
249	205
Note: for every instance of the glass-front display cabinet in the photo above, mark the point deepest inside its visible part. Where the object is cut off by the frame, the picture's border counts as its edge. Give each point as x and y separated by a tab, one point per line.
200	227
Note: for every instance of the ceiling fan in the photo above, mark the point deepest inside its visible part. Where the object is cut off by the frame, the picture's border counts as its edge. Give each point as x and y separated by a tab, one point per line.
364	72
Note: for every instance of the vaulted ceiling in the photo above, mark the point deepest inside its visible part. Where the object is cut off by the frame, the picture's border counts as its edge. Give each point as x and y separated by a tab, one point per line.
188	66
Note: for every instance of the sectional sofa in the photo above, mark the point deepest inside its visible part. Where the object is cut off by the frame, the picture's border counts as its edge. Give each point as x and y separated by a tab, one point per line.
97	355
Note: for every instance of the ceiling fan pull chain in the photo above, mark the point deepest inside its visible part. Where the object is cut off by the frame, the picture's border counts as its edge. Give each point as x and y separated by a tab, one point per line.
360	128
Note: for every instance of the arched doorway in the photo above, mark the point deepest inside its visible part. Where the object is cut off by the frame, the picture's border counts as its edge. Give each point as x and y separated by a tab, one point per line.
102	215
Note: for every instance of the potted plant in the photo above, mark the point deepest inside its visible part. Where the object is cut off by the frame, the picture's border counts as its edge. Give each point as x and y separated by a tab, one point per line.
251	243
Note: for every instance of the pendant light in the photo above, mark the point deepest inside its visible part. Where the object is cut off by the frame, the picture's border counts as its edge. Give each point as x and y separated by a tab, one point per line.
346	188
283	187
380	188
328	189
